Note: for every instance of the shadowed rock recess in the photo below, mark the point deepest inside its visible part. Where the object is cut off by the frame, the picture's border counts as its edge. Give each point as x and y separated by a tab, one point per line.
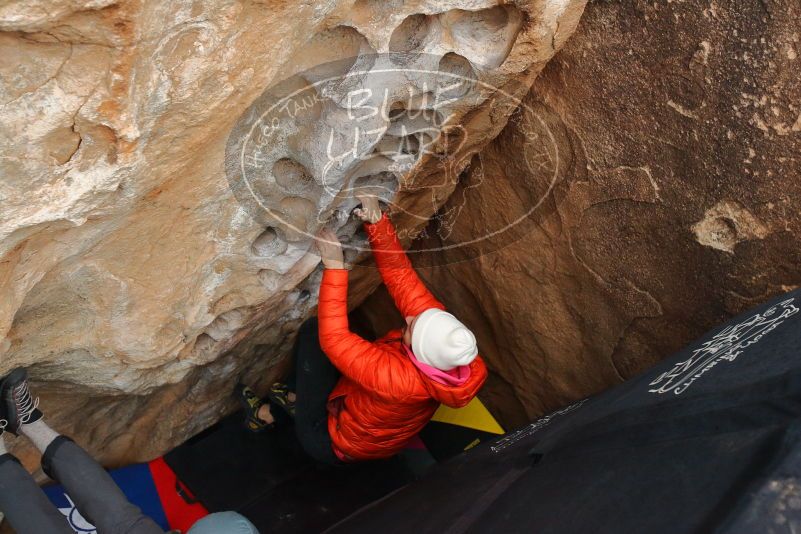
672	135
137	283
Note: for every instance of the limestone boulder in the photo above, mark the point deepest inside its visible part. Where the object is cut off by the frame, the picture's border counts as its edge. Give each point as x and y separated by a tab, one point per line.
137	281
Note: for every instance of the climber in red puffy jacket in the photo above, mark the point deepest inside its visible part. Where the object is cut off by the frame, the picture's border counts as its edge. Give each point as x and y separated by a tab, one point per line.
377	395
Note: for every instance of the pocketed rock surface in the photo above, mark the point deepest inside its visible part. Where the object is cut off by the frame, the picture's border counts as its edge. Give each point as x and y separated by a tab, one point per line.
134	284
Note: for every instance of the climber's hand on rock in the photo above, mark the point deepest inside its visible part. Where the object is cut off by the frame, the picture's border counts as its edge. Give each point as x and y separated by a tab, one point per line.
370	211
330	249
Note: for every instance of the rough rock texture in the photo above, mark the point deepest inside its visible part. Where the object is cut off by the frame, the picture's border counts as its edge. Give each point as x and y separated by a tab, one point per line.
666	141
133	283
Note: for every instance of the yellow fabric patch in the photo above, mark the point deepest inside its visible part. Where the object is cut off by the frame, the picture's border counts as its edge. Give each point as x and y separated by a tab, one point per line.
475	415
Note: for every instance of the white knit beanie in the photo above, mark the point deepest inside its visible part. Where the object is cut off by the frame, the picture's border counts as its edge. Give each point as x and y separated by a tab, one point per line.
440	340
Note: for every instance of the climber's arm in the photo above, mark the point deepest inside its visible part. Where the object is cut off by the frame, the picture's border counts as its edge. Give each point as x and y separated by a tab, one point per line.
411	296
353	356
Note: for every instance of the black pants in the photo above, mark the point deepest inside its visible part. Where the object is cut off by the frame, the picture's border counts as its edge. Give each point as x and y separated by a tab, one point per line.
314	380
93	491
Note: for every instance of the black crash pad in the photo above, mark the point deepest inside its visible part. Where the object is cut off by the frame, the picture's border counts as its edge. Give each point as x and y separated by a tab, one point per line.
269	479
708	440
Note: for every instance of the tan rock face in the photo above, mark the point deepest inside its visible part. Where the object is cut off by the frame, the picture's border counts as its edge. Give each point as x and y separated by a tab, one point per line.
136	282
661	138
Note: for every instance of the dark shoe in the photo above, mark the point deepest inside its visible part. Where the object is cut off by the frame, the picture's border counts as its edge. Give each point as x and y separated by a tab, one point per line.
250	404
18	406
279	396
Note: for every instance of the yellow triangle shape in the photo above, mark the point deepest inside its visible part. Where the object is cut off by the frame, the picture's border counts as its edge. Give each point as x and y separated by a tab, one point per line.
475	415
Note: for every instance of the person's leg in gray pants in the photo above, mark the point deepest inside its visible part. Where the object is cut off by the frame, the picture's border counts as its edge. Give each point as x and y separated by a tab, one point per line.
24	504
94	492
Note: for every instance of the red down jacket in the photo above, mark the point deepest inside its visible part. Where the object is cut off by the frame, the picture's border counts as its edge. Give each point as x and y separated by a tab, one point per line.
382	399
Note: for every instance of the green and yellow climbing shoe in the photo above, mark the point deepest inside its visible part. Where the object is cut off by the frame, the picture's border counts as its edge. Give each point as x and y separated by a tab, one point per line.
279	396
251	403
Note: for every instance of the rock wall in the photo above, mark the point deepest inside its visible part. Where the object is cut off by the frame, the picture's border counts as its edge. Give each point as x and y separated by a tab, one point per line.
662	146
136	282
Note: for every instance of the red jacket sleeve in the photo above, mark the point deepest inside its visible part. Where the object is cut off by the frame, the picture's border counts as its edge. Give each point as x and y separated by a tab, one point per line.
358	359
411	296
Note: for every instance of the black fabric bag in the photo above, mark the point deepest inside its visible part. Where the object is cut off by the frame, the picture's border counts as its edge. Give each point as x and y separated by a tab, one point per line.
709	440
